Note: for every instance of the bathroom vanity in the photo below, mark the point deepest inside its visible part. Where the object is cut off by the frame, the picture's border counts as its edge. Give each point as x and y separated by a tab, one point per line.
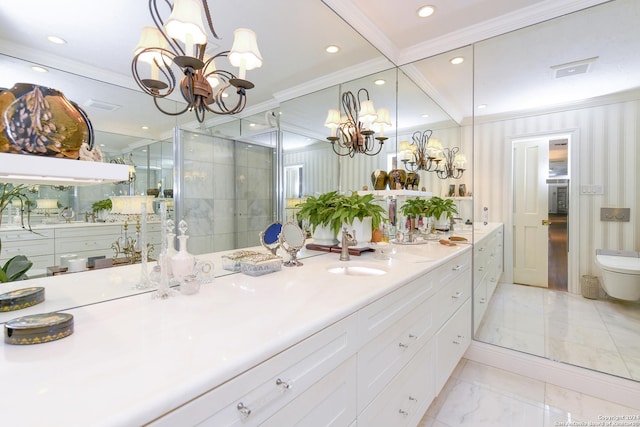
367	341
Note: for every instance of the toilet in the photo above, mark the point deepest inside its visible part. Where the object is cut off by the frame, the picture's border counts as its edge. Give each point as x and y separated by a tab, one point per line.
620	273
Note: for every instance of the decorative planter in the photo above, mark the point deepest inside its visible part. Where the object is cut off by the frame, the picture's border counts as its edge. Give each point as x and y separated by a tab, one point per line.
379	179
442	223
397	179
41	121
324	236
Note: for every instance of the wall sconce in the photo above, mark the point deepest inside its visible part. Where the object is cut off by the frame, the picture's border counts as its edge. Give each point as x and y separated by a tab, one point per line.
427	154
182	40
353	133
452	165
422	153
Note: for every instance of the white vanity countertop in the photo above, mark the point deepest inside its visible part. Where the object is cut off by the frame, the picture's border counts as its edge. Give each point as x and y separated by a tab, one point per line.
134	358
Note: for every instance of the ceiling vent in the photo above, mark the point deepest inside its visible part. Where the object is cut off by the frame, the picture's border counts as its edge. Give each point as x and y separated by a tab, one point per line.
573	68
101	105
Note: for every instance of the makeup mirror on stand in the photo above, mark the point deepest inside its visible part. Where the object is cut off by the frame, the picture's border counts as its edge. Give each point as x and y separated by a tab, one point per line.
292	240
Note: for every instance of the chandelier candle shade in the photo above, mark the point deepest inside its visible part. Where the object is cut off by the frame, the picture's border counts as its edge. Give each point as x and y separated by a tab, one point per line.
352	133
180	43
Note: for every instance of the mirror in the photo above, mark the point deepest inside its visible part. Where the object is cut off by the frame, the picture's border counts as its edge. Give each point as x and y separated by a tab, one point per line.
270	237
570	79
292	240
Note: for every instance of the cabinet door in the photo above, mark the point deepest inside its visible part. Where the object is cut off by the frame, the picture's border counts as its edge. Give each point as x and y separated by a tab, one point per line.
329	402
408	396
452	341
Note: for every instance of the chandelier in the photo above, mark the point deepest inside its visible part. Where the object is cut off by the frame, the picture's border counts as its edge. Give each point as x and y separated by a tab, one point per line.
427	154
352	133
181	40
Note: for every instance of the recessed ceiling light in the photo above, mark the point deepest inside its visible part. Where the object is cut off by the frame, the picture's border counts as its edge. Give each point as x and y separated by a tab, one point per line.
481	106
252	125
379	82
39	69
56	40
424	116
145	127
332	49
457	60
426	11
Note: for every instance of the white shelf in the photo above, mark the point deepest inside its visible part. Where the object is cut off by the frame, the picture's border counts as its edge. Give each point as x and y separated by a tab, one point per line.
459	198
396	193
32	169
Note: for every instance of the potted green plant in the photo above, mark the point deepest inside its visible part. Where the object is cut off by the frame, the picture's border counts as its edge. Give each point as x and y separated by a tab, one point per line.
15	269
328	212
359	210
318	212
442	210
102	208
413	209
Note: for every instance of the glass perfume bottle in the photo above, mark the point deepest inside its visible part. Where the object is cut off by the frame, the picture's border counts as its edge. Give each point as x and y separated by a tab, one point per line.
182	262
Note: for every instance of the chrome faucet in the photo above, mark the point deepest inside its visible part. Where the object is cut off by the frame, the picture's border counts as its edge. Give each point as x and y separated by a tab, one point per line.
348	239
453	222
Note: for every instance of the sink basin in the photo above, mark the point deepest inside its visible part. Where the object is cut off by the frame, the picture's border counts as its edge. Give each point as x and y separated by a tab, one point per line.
348	269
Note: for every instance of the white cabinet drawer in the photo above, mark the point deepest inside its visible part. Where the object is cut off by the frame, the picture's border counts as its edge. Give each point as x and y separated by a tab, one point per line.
454	286
259	393
408	396
381	314
96	230
90	243
384	356
480	303
20	235
452	341
28	248
331	402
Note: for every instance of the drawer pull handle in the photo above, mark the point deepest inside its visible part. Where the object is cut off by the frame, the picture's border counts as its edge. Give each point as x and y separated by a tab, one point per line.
403	413
402	345
481	249
482	300
456	342
457	295
413	399
283	384
457	268
243	410
413	337
480	268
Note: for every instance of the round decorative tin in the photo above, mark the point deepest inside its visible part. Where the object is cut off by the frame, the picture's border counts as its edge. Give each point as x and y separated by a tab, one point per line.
21	298
38	328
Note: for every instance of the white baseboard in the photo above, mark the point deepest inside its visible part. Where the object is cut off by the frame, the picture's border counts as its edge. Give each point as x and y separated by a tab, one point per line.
597	384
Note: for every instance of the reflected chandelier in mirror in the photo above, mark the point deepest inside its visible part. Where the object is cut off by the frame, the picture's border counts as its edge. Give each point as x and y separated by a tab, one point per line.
160	48
353	133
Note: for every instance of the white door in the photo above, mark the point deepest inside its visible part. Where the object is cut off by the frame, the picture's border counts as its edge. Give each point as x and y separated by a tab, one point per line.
530	212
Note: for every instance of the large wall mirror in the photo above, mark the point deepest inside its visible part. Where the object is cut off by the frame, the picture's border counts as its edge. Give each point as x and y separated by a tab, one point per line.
284	128
565	85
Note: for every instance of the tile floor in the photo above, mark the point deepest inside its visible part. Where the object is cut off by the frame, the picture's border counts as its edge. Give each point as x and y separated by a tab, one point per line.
602	334
478	395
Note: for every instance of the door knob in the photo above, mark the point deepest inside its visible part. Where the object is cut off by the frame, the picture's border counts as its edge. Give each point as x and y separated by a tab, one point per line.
546	222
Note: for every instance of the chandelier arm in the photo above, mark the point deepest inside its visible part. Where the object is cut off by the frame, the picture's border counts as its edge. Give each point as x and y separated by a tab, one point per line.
168	113
205	5
165	69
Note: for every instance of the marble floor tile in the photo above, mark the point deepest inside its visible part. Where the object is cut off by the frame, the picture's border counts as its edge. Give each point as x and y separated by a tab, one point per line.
481	395
600	334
